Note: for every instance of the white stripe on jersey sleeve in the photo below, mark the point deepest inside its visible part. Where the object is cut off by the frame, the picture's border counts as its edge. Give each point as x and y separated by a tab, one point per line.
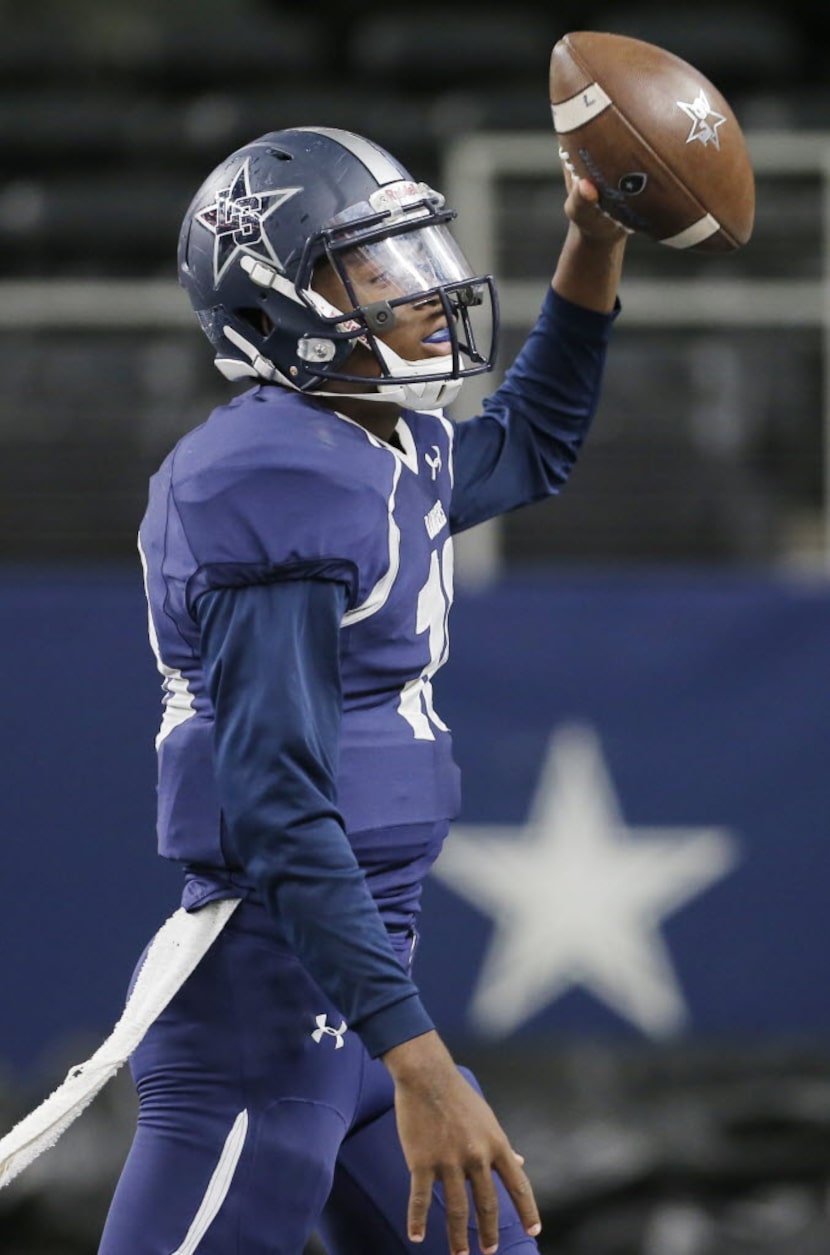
178	699
380	593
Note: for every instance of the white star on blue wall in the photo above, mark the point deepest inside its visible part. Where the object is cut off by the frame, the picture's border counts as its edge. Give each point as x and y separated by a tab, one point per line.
577	897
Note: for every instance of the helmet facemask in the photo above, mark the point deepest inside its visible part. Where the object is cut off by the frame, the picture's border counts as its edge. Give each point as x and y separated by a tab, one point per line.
393	290
365	275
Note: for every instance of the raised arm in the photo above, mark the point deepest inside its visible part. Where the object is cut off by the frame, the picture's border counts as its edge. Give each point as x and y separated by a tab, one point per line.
521	448
590	264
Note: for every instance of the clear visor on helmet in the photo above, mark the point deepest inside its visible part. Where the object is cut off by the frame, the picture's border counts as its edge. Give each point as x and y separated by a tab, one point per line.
403	265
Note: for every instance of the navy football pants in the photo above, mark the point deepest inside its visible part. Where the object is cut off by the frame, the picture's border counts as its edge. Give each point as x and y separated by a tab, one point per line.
260	1122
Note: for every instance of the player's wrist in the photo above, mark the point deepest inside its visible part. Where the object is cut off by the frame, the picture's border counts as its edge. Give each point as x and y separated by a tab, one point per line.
411	1062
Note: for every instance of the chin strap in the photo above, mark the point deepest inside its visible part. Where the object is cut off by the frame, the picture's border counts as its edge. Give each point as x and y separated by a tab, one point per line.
433	395
430	395
257	366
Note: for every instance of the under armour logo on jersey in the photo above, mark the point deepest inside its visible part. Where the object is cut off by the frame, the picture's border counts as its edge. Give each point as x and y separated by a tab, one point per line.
324	1029
434	464
236	218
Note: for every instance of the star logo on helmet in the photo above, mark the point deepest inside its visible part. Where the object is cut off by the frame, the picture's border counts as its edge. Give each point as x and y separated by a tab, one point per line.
236	220
705	120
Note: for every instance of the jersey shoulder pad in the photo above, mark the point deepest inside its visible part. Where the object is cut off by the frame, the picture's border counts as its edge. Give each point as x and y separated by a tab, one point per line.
280	488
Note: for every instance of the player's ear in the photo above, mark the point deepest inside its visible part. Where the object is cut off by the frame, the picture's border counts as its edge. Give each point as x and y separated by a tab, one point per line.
258	319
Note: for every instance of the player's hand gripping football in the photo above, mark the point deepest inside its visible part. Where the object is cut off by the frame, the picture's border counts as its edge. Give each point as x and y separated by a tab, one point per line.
450	1134
590	264
583	209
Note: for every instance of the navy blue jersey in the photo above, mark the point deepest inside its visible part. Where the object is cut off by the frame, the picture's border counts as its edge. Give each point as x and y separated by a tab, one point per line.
274	487
344	741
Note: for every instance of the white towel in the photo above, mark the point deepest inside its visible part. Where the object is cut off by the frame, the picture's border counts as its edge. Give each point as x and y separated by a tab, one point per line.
172	955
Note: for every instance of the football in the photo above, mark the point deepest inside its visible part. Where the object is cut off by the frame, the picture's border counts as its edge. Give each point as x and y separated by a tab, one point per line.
658	140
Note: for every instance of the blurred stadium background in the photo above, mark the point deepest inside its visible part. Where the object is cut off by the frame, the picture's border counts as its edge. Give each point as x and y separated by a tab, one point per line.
642	666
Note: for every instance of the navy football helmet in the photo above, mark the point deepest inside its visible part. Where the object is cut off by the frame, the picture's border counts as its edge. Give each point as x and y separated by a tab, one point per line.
291	200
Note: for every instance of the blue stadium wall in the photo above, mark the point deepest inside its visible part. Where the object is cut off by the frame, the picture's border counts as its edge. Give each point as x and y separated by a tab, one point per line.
650	750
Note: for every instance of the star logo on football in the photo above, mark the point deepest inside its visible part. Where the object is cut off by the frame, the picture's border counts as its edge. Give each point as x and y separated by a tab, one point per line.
236	220
705	120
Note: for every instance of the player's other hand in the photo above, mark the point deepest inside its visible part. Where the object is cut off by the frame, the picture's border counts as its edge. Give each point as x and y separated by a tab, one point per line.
450	1134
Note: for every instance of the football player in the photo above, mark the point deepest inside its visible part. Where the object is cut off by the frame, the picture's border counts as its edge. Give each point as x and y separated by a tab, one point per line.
298	558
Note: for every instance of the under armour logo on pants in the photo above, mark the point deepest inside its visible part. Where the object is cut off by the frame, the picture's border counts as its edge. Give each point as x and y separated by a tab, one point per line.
323	1028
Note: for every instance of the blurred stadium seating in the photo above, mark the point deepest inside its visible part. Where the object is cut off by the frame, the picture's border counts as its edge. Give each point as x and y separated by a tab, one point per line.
109	124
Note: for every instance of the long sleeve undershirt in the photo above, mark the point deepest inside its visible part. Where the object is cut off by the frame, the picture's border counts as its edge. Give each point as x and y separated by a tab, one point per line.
270	654
523	445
